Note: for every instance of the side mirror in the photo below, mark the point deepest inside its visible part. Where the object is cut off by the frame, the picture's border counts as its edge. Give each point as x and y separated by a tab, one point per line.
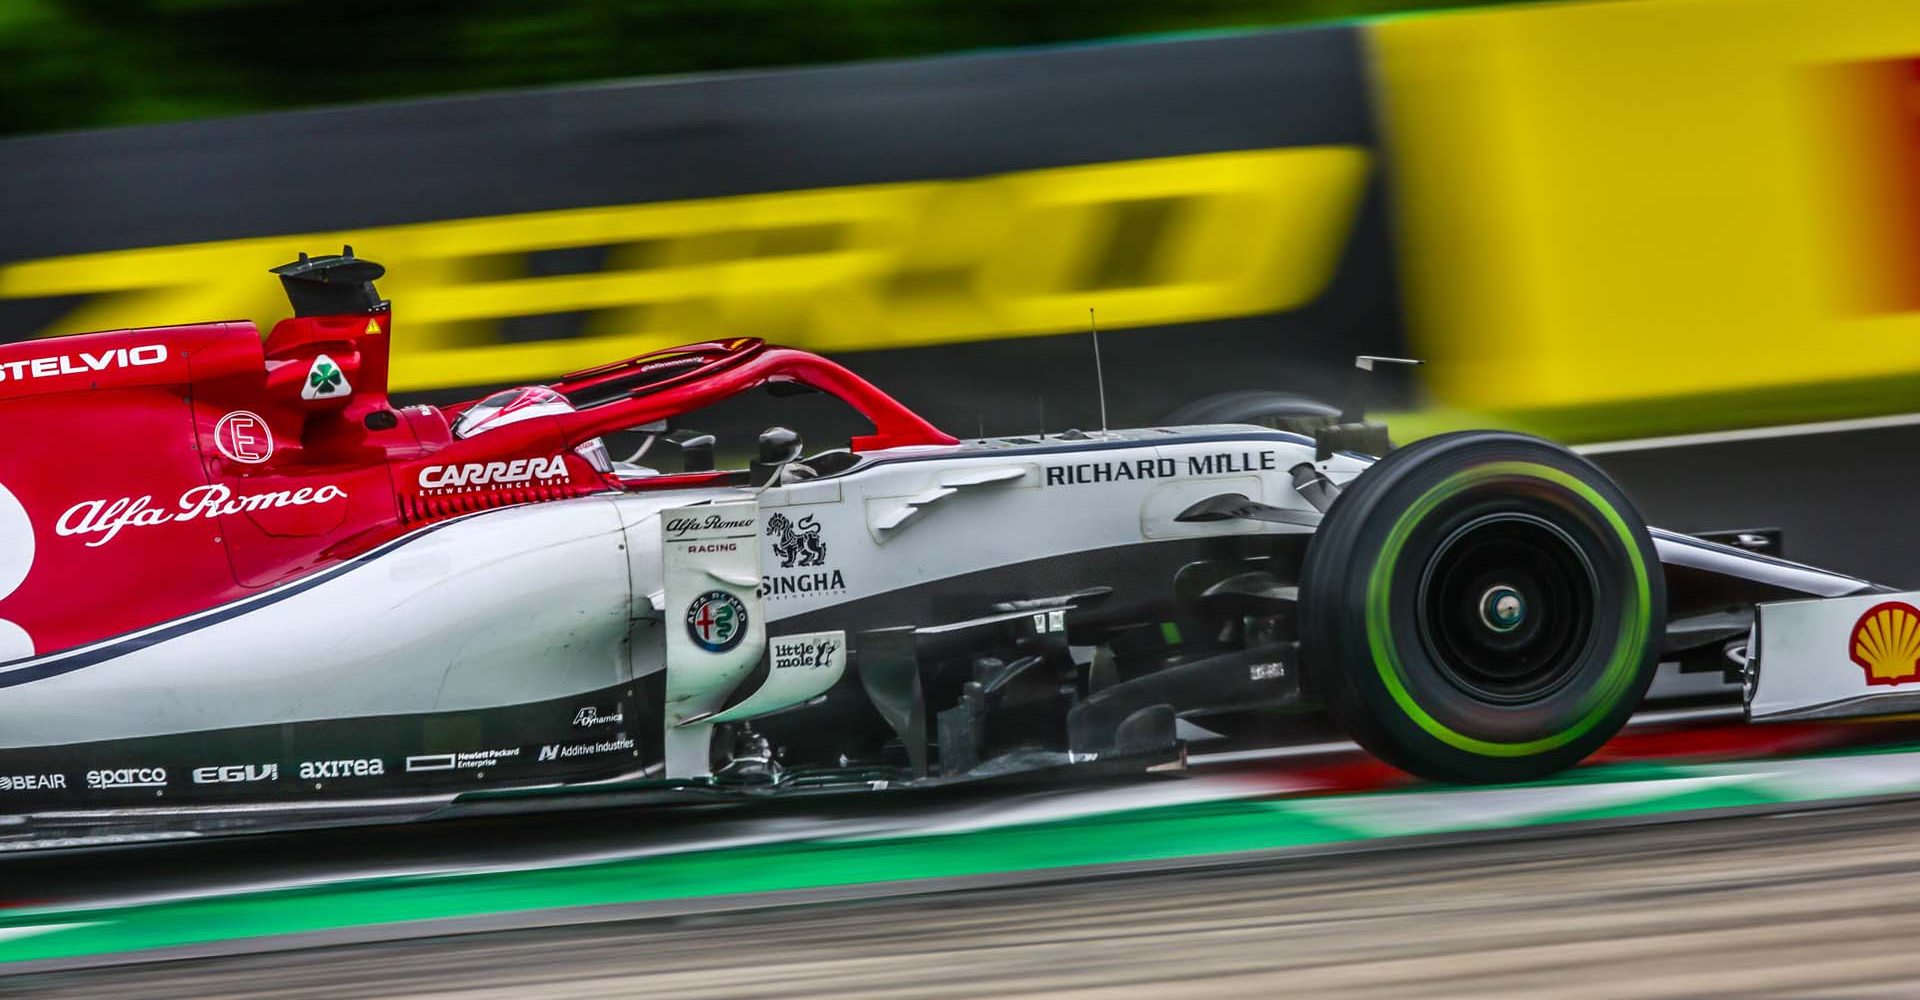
778	446
1351	431
696	450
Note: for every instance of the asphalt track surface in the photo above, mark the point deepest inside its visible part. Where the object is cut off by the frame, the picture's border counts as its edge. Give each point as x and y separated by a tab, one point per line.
1807	904
1846	501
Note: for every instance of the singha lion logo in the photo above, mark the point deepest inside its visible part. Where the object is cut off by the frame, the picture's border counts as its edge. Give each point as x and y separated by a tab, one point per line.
796	545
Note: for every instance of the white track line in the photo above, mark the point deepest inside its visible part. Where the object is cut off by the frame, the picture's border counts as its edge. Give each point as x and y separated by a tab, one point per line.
16	933
1750	434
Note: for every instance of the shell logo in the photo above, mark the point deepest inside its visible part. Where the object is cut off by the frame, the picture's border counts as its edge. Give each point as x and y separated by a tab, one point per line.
1886	643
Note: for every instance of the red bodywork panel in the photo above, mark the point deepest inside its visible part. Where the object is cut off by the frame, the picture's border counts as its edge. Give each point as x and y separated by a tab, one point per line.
167	471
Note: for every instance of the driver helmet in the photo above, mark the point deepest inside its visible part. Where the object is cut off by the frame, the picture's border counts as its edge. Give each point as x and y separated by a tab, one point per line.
510	406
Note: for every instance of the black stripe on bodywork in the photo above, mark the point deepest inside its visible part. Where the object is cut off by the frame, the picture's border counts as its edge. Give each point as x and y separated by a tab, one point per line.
1785	576
523	731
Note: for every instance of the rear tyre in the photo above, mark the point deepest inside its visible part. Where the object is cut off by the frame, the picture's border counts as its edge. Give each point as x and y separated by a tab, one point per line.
1280	410
1481	607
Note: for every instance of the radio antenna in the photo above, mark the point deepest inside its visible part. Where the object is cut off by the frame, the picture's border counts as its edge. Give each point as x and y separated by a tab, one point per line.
1099	373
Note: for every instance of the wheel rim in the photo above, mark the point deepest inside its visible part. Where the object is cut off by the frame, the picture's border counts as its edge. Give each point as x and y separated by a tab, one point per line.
1506	607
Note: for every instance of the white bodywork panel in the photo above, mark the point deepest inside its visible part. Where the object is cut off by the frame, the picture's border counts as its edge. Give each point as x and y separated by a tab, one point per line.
1835	657
800	667
715	631
516	605
902	523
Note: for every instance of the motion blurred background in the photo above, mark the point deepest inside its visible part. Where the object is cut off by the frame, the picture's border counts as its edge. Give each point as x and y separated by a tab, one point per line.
1595	220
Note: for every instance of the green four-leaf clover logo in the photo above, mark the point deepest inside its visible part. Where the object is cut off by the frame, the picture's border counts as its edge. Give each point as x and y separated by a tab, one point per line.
325	377
325	380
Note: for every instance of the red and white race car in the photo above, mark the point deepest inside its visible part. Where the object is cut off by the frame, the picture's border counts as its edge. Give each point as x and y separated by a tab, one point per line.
232	571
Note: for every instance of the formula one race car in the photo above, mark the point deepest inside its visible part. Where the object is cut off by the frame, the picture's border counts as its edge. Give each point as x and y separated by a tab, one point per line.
231	571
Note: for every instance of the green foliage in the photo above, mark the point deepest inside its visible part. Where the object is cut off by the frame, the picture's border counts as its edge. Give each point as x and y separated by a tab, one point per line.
84	63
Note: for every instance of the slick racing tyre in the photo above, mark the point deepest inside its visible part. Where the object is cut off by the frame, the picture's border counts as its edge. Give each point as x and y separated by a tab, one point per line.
1281	410
1481	607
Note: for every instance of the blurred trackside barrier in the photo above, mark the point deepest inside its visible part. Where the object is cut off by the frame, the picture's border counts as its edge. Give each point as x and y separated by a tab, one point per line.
834	269
1714	204
1220	201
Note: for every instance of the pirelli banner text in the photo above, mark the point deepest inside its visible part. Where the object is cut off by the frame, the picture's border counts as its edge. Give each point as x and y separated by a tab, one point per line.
944	226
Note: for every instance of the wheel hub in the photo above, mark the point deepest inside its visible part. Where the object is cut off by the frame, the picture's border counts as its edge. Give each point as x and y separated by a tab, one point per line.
1502	609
